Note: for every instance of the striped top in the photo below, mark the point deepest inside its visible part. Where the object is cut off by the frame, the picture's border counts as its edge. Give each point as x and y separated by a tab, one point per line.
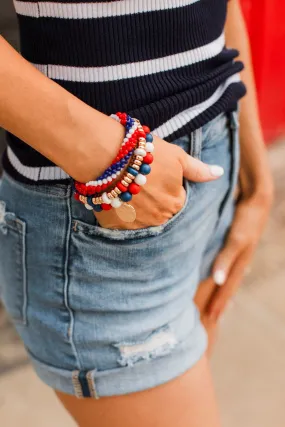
162	61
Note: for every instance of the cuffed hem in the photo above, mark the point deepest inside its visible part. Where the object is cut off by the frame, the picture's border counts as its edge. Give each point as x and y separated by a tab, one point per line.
125	380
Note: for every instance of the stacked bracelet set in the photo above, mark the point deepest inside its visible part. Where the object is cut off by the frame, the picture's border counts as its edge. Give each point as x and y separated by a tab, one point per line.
124	177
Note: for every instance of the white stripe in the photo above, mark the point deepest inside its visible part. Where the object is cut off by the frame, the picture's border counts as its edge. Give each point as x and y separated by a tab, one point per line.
186	116
134	69
95	10
35	173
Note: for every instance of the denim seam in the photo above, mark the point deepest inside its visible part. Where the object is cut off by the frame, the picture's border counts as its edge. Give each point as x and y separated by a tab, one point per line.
91	384
24	269
66	284
76	384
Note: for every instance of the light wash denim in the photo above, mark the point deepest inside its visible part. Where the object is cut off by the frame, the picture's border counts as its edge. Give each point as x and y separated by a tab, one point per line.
109	312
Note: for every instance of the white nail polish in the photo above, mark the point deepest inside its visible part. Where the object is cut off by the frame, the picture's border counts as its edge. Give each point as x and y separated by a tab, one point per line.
219	277
216	170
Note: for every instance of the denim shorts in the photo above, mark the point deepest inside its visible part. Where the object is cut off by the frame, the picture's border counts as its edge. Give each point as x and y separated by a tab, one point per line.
108	312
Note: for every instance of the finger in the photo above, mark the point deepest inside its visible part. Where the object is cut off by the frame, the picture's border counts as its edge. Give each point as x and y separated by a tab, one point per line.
224	294
228	255
197	171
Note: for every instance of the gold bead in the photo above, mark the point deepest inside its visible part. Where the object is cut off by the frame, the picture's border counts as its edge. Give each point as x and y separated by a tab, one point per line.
136	167
128	180
140	158
110	196
113	192
141	139
126	184
137	162
129	175
117	190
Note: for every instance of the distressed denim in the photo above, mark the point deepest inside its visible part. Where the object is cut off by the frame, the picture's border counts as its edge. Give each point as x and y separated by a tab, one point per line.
108	312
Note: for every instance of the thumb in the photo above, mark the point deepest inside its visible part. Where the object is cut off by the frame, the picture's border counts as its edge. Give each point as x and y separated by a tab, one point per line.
197	171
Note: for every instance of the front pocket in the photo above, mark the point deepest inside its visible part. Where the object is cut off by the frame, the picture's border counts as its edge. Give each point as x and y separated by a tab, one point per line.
113	234
13	280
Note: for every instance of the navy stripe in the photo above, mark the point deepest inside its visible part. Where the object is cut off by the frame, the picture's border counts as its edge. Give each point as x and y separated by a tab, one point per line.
119	40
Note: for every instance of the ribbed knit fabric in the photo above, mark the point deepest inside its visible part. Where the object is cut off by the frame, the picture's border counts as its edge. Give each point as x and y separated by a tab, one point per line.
162	61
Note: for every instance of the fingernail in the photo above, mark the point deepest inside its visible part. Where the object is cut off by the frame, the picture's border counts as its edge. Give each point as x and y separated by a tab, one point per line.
219	277
216	170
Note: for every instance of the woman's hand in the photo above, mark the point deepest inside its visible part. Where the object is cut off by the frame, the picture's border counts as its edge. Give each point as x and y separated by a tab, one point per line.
163	195
250	218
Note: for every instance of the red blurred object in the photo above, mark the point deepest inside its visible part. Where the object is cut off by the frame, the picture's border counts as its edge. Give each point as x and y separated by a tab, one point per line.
265	22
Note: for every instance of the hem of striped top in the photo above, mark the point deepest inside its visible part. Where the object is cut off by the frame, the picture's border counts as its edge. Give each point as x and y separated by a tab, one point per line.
180	125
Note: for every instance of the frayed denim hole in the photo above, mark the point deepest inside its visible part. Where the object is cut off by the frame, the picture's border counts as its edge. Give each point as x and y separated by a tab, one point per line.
160	343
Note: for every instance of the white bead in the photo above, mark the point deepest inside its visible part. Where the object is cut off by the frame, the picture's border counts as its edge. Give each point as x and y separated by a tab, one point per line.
88	207
115	117
109	179
140	152
116	203
114	175
140	179
128	135
118	173
125	139
131	131
100	182
105	198
149	147
105	181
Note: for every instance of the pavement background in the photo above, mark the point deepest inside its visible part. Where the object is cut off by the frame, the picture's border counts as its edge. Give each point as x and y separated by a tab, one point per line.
249	362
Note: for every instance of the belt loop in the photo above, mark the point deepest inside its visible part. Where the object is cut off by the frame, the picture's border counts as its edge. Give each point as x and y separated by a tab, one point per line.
196	143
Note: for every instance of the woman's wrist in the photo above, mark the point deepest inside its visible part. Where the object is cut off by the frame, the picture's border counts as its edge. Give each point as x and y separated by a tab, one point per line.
96	139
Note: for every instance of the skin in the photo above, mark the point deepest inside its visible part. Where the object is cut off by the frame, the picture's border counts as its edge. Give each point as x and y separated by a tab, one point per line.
63	128
255	191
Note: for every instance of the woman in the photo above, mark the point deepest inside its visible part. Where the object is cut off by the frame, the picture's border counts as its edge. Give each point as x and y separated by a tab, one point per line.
106	308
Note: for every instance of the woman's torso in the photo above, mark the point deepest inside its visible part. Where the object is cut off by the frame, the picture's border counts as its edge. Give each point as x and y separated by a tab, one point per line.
162	61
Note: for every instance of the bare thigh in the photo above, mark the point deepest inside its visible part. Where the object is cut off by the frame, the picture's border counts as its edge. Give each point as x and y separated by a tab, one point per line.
187	401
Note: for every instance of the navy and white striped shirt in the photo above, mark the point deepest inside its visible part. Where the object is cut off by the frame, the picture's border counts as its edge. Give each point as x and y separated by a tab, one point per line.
162	61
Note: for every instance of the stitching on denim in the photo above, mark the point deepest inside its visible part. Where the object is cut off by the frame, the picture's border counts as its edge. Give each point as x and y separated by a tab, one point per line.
91	384
66	284
24	272
76	384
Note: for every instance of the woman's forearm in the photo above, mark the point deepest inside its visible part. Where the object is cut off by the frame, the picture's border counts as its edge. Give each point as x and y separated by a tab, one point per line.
76	137
255	176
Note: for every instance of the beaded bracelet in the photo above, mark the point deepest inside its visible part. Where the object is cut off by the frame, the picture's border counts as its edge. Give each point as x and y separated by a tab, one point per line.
138	143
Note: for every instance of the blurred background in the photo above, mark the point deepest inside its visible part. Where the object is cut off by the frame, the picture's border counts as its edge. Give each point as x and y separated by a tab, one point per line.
249	361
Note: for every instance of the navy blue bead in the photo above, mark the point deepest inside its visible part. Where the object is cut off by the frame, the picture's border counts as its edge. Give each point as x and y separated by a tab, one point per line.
126	196
132	171
97	208
149	137
145	169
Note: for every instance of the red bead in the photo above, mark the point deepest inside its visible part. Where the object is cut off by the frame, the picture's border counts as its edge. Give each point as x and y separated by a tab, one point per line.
121	187
146	129
134	188
76	196
81	188
106	207
148	158
104	186
90	190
